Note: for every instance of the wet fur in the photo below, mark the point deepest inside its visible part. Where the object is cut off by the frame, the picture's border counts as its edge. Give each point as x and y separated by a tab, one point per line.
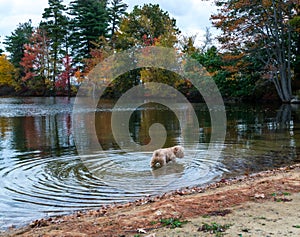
163	156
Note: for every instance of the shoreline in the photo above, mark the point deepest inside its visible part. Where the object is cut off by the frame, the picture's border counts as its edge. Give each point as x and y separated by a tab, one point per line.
221	200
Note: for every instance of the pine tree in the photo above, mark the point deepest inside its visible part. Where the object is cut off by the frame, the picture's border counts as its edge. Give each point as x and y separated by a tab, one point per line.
116	12
15	44
90	21
56	27
1	50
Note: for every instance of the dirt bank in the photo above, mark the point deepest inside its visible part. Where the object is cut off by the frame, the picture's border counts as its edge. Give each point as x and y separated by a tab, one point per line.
263	204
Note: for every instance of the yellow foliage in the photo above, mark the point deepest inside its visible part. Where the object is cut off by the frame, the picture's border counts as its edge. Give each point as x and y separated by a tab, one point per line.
267	3
78	76
7	71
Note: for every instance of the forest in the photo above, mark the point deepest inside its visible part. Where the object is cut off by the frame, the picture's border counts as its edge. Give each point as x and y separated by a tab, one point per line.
255	56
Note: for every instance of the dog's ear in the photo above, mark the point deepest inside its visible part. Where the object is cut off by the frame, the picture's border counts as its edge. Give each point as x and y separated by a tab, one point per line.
175	149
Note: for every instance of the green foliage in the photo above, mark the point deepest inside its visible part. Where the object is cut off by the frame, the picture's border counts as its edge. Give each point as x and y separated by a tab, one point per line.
214	228
295	23
55	23
116	12
56	26
89	22
234	78
172	222
210	59
145	26
15	43
261	31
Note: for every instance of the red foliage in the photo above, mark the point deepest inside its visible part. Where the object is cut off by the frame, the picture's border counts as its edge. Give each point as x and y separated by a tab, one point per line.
64	77
149	41
27	62
35	56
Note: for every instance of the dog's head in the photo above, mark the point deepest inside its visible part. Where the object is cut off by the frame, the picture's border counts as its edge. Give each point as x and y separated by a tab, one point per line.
178	151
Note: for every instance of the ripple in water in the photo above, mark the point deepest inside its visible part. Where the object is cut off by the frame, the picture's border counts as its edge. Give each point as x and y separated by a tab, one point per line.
38	187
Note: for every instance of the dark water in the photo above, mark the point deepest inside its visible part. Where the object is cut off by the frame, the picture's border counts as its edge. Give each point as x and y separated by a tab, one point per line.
42	174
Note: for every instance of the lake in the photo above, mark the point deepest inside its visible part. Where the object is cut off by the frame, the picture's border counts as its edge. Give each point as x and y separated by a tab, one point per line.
42	174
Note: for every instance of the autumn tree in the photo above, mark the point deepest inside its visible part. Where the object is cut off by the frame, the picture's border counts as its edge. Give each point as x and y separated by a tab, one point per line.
146	26
36	62
63	81
260	29
7	72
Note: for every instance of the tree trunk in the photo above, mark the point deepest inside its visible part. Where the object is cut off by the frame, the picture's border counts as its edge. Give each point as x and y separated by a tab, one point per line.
282	53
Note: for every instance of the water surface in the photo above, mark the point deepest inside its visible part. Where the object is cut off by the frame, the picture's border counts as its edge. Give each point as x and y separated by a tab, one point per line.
42	174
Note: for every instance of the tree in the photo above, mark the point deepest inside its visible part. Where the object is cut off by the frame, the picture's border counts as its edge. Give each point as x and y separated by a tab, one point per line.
7	72
148	25
56	27
64	79
260	29
35	61
15	44
295	24
234	75
187	44
116	12
208	40
1	50
90	21
145	26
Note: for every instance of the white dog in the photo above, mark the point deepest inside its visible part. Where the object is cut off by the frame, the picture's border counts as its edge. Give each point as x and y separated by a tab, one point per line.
163	156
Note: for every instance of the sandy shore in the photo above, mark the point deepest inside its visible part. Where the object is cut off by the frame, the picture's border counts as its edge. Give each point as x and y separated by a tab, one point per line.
263	204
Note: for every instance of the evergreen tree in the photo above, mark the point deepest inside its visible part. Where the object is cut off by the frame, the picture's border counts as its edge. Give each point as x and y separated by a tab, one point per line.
15	44
116	12
90	21
1	50
56	27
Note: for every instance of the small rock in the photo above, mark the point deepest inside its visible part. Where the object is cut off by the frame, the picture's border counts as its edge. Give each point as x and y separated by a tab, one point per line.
259	195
